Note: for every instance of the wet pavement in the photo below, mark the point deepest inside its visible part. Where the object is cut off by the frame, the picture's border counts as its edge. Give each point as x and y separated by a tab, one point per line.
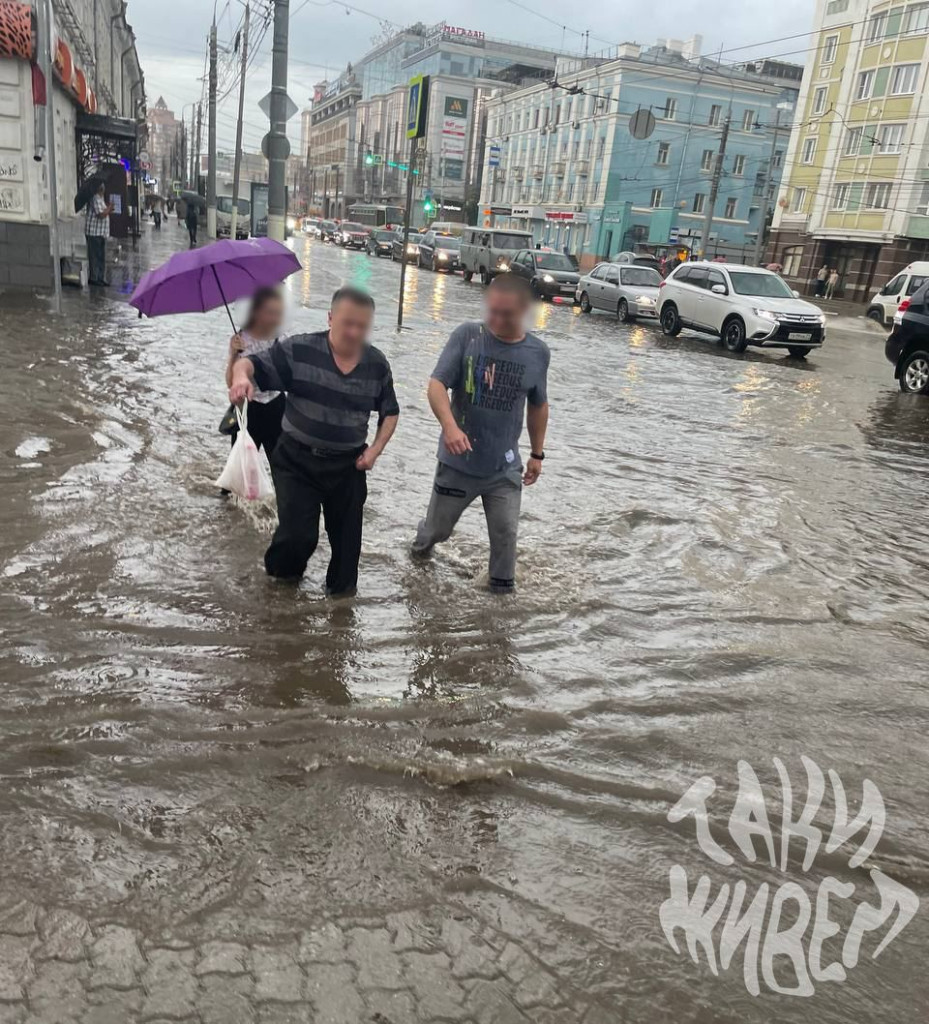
224	800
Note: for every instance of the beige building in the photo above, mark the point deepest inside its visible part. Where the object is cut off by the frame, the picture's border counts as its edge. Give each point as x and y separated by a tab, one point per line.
165	146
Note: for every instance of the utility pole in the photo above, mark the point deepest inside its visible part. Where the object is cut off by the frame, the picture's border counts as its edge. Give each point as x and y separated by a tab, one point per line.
211	143
278	146
768	192
714	187
192	146
237	166
45	62
406	228
196	184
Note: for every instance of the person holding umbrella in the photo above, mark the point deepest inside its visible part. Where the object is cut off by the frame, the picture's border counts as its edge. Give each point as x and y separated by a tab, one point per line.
192	219
96	232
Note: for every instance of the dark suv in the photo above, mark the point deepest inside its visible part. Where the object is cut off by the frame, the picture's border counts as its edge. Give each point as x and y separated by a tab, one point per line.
907	345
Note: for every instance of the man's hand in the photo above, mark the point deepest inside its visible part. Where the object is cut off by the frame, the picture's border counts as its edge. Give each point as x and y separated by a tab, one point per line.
366	460
456	440
242	388
533	471
236	345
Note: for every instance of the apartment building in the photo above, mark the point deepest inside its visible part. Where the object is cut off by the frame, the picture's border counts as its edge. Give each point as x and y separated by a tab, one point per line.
564	163
855	191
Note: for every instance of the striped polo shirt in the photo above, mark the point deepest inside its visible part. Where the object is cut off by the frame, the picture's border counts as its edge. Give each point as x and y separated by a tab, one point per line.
326	408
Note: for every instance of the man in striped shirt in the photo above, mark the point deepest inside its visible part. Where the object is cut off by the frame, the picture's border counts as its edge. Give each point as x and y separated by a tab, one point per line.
96	232
334	380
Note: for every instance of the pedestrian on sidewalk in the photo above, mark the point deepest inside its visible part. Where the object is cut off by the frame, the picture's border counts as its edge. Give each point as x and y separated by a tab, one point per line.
96	232
261	330
156	212
492	369
192	219
821	277
334	380
832	282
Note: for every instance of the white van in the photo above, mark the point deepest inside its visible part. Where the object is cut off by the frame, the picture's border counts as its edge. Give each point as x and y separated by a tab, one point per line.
224	217
883	305
488	251
446	227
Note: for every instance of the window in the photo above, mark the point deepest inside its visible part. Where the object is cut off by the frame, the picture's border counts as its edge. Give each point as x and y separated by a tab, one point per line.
819	99
916	20
903	79
778	158
707	160
830	46
852	141
865	85
792	257
731	204
890	138
664	151
715	277
670	109
699	202
557	116
876	27
535	118
877	195
748	120
716	114
840	199
836	7
599	272
657	196
601	146
738	164
809	150
922	207
799	200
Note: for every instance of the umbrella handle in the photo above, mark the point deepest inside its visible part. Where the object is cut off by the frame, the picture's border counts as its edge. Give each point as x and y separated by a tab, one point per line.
235	330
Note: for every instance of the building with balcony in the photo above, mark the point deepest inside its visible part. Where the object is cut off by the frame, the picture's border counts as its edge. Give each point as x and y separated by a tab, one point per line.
855	191
562	160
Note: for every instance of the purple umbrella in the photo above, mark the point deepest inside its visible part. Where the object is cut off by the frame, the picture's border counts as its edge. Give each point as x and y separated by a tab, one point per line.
215	275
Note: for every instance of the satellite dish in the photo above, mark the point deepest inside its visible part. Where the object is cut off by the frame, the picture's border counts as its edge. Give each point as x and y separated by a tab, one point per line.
642	123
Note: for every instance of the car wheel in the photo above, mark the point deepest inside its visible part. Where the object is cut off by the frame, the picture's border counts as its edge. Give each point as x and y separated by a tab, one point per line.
914	373
585	303
466	275
670	321
622	311
734	335
876	314
797	352
485	277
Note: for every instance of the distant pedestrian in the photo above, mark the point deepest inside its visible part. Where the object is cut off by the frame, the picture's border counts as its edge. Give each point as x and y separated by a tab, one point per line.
156	212
492	370
96	232
192	220
821	278
832	282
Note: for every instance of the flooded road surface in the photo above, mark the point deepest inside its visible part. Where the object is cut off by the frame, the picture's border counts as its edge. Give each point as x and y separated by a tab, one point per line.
224	800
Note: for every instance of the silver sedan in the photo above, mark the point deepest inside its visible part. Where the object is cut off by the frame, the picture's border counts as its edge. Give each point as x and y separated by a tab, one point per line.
627	291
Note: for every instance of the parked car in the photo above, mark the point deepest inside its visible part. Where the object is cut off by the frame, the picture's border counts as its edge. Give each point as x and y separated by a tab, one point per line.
885	303
489	251
380	242
624	289
637	259
352	235
548	273
907	345
741	305
314	227
412	247
439	251
329	231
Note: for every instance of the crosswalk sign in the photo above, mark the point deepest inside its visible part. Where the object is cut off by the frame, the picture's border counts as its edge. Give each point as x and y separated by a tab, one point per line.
417	107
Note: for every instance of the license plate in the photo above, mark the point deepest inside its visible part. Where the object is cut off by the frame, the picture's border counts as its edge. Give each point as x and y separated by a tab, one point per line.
796	336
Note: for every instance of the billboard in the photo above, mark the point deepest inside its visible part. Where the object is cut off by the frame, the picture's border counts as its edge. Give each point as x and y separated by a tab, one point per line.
456	106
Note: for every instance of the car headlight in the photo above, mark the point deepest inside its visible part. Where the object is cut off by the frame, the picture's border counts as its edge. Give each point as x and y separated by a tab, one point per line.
291	222
644	300
821	320
502	264
765	314
442	255
411	248
548	279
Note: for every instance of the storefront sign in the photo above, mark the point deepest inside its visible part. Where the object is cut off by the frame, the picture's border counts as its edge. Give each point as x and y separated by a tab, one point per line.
454	32
529	212
566	215
452	170
456	107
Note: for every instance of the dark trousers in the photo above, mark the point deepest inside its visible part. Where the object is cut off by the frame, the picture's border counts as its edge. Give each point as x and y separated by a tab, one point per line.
192	231
157	220
264	423
96	258
307	484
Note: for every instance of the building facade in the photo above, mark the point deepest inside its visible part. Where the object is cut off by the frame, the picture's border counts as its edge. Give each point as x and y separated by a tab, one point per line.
165	144
564	163
855	194
97	93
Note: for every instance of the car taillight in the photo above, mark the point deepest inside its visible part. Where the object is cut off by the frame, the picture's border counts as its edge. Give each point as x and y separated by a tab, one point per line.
904	306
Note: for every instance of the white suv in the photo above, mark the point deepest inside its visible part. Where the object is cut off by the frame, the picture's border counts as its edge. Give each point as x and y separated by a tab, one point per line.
741	305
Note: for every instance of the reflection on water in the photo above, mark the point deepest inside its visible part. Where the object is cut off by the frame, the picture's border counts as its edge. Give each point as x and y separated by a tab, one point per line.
721	561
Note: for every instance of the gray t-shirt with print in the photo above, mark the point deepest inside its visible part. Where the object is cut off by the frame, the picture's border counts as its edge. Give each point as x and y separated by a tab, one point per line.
490	381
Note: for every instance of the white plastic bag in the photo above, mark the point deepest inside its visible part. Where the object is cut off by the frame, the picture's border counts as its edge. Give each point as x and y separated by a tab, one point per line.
244	474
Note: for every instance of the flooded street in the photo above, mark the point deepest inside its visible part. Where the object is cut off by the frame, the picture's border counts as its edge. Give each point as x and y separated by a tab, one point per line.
227	800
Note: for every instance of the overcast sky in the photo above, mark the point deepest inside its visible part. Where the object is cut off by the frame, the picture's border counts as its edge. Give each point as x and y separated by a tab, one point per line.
325	35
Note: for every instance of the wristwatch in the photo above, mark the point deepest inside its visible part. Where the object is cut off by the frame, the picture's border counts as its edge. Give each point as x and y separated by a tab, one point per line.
537	455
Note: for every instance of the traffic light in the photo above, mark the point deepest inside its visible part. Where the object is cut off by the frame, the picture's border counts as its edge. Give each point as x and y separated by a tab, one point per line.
428	206
369	159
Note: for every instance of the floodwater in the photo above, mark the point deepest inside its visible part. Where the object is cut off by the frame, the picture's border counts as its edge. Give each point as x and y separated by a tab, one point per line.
723	561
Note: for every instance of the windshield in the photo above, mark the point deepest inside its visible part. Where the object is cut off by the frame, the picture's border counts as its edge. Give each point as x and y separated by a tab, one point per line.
328	224
384	236
510	242
553	261
415	238
643	277
448	243
769	286
349	226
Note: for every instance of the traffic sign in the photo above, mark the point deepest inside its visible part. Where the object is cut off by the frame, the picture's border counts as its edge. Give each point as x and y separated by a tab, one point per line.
417	107
275	147
494	158
290	108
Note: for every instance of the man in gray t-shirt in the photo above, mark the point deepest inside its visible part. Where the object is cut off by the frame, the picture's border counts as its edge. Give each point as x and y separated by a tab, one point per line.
492	369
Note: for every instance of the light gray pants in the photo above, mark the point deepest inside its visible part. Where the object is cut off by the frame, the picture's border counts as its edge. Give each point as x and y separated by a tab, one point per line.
452	493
